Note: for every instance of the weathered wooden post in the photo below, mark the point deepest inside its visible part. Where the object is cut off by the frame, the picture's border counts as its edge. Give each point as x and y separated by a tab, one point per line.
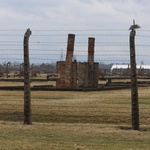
134	86
27	95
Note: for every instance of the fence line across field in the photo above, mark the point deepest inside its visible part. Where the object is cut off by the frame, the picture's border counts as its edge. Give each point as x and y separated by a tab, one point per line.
78	47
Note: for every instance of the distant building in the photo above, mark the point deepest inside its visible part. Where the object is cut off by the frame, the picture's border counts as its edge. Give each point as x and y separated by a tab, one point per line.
124	69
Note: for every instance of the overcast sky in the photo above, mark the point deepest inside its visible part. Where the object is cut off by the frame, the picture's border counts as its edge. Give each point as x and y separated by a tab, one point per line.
76	15
73	14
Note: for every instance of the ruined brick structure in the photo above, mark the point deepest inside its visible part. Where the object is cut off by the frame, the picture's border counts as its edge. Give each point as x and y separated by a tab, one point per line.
88	71
60	67
83	74
67	69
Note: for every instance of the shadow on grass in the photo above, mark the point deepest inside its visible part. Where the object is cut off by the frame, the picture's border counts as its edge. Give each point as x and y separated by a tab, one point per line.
143	129
13	116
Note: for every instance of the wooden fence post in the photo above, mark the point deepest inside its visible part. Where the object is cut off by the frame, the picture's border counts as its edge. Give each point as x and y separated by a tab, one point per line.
27	95
134	87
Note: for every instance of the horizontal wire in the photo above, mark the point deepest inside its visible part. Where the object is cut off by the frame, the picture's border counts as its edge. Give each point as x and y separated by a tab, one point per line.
60	54
13	54
81	35
97	29
106	51
141	30
49	44
65	45
110	60
11	41
57	59
10	49
40	42
60	50
117	35
77	45
142	55
143	36
11	35
103	55
142	45
76	54
54	30
85	43
12	58
11	30
11	44
75	34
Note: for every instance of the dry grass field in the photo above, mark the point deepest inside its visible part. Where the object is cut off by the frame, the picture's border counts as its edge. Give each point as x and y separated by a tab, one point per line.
63	120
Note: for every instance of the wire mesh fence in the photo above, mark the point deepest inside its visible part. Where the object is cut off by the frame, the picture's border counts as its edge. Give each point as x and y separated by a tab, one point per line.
50	45
46	47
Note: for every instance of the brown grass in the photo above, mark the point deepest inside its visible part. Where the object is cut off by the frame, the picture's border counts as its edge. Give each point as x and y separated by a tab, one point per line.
9	83
66	136
87	107
74	121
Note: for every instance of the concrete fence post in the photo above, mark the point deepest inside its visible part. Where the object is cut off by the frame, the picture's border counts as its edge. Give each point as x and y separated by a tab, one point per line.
27	95
134	87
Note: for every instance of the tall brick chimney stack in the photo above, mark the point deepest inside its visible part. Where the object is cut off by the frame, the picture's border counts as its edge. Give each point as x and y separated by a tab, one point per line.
69	56
91	44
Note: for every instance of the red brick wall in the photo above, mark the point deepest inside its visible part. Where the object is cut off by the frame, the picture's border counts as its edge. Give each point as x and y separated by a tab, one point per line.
83	74
68	69
74	74
60	67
